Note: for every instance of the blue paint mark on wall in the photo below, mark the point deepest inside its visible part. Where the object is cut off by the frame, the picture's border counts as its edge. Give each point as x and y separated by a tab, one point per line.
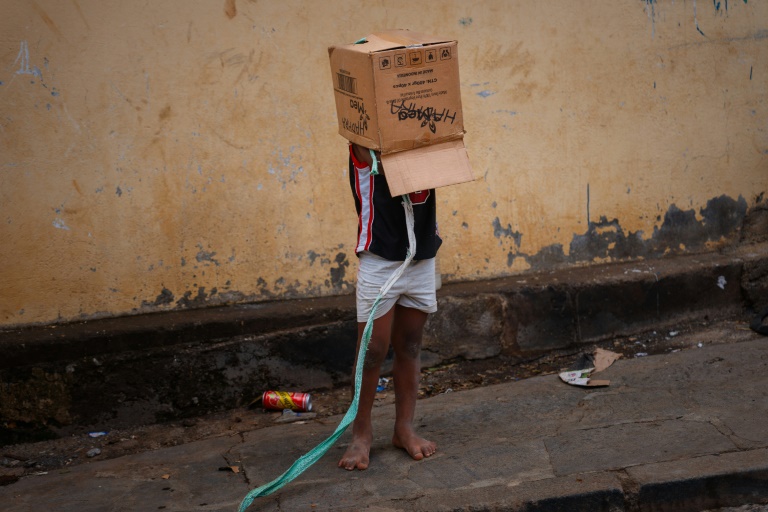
465	21
696	19
24	65
720	7
60	224
485	94
285	172
650	8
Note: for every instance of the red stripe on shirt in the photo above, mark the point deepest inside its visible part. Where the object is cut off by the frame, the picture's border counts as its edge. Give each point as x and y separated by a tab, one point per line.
365	219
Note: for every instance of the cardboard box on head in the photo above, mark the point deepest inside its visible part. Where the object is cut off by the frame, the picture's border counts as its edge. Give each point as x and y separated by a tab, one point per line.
398	92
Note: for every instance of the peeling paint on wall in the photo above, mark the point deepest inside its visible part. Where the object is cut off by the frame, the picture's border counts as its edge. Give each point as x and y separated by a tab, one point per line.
286	171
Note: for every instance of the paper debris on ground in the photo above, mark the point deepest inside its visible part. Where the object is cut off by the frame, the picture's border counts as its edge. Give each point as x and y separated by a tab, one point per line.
604	359
593	363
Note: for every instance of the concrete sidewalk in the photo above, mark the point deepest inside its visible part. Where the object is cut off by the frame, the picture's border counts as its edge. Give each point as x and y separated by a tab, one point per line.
683	431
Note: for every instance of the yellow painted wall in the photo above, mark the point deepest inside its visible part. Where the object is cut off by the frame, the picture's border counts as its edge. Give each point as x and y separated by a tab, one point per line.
180	153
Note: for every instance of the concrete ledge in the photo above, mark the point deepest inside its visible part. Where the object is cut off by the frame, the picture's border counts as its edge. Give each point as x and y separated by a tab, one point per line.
581	493
124	371
691	485
39	344
725	480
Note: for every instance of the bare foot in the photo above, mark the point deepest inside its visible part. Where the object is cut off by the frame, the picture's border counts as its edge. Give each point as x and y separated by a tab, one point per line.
417	447
357	454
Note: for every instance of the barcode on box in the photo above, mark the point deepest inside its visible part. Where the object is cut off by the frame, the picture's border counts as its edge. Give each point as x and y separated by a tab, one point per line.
347	83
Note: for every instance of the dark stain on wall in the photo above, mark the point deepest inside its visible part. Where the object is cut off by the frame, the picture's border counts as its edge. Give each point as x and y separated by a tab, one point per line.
206	256
280	289
201	299
338	273
230	8
677	231
164	298
680	231
507	232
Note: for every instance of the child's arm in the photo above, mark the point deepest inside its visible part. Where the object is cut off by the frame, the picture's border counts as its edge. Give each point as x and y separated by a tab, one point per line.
364	155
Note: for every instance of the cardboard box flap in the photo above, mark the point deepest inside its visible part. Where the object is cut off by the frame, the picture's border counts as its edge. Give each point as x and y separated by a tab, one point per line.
429	167
391	39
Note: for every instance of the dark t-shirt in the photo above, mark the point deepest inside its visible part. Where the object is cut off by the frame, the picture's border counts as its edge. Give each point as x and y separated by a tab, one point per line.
381	227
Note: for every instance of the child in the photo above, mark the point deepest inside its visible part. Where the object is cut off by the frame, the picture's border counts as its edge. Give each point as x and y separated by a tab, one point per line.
382	247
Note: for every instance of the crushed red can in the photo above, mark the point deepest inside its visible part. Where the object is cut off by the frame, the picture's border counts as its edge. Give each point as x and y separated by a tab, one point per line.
279	400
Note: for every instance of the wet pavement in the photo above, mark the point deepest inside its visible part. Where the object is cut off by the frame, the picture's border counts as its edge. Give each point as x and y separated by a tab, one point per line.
682	431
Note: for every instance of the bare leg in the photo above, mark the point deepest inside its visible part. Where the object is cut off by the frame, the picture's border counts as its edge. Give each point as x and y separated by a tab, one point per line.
357	455
408	325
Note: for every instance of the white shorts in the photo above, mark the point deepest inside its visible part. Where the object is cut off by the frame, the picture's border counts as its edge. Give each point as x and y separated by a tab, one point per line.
415	288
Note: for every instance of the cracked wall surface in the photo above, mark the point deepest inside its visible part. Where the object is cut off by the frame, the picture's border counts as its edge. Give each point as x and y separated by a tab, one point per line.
186	154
